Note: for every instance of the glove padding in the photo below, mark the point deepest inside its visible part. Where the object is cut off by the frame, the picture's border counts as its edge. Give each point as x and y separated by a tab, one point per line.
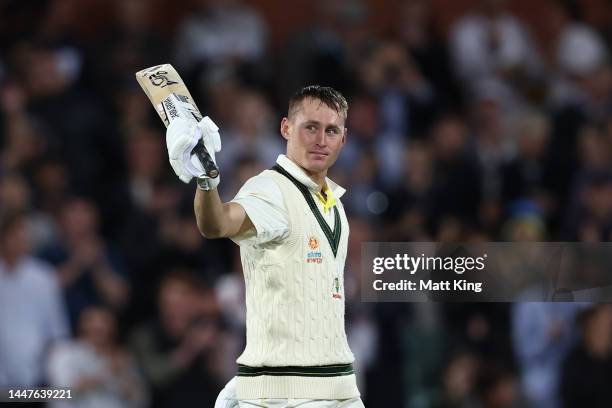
182	136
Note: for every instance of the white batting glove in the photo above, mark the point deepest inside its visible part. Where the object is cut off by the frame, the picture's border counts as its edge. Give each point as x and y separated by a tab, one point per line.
182	136
212	143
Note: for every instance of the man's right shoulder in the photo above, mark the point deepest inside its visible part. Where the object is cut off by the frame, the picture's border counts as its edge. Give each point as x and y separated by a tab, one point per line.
262	200
263	183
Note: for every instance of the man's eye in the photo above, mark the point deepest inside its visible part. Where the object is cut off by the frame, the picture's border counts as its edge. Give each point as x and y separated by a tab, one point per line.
332	131
311	127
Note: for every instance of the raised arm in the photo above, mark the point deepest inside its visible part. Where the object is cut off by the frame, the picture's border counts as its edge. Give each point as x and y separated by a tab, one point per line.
214	218
220	220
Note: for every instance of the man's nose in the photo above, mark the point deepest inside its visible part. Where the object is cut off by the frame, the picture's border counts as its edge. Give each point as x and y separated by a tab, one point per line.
321	138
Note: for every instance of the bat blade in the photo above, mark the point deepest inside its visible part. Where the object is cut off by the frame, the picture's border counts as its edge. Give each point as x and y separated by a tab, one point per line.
171	99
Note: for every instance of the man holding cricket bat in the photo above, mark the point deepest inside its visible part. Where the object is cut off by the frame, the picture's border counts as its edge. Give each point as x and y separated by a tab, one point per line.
292	232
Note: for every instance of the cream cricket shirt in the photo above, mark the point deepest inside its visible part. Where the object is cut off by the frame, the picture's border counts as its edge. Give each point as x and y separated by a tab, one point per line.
294	276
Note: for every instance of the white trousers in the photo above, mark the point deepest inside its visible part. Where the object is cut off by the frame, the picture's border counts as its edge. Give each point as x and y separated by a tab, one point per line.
227	399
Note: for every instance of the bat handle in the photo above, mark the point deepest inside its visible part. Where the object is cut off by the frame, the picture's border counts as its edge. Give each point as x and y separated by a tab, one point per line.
209	166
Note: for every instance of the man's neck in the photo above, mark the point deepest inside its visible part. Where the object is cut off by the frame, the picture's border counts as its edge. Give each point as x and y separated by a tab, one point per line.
318	178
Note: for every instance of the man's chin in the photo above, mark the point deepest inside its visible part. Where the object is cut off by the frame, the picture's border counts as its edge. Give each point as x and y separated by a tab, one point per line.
317	166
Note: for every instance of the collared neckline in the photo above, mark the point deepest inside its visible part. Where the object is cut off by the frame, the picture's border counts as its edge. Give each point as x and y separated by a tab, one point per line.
333	237
300	175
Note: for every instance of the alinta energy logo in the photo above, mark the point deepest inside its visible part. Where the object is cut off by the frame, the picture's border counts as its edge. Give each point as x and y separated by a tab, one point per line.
314	255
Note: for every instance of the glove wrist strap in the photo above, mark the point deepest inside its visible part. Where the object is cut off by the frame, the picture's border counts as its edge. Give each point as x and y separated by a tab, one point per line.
204	183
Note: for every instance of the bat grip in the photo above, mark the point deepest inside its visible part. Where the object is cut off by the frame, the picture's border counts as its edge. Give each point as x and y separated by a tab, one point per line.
209	166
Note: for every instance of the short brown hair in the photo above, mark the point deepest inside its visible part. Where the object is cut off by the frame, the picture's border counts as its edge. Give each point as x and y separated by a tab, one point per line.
327	95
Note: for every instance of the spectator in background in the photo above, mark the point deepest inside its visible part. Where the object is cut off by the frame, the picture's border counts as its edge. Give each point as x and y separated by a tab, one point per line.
99	371
230	292
458	380
494	147
133	111
89	271
409	213
424	343
32	314
493	142
249	133
405	105
146	167
220	87
221	31
156	214
589	219
139	204
50	186
364	123
179	350
130	43
416	30
407	101
15	196
600	19
457	178
490	45
587	370
581	92
58	29
527	176
497	387
85	137
524	223
542	334
594	150
577	52
328	50
23	140
586	216
574	126
365	180
364	168
484	331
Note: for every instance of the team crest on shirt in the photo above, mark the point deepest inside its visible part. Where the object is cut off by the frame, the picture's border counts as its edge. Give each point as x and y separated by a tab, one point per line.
313	242
314	255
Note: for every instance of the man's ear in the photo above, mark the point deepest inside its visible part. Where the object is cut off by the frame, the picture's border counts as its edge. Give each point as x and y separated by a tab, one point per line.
344	135
284	127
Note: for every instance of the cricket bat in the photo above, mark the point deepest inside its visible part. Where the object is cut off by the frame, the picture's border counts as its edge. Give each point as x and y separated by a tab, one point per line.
172	100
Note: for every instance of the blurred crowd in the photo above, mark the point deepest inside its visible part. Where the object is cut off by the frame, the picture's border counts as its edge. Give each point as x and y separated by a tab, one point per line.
479	131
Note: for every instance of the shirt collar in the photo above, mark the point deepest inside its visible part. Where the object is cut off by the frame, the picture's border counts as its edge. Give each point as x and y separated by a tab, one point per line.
301	176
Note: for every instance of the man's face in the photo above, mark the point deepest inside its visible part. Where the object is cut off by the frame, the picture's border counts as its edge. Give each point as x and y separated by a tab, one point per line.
16	241
315	135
